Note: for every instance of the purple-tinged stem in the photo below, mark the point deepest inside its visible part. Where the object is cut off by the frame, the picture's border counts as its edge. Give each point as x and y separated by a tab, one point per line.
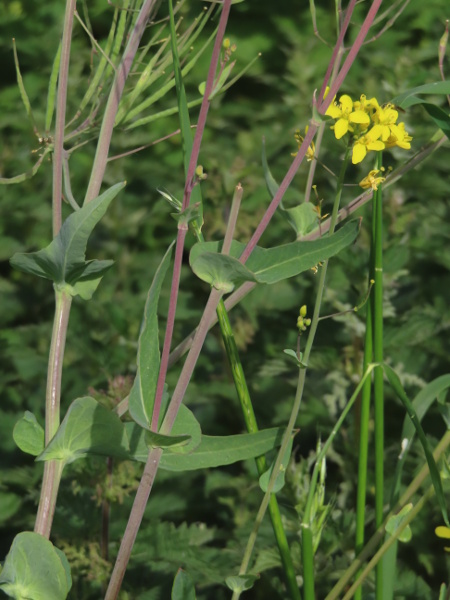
337	50
170	325
186	200
101	154
351	55
205	103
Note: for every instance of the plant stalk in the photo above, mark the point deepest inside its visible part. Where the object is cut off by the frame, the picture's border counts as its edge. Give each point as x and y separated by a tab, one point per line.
52	468
377	312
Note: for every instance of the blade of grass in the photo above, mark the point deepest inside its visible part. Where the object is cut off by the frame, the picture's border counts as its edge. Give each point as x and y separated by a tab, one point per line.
22	90
51	95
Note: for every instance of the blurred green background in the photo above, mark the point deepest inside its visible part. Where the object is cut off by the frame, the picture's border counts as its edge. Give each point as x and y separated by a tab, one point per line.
201	520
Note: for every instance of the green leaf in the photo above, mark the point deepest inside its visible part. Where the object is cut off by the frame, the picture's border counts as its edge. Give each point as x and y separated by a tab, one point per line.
240	583
63	260
159	440
211	452
219	270
183	587
303	218
440	118
274	264
35	569
395	522
186	424
421	404
185	436
280	480
192	213
293	354
272	185
142	394
434	473
29	435
437	88
87	428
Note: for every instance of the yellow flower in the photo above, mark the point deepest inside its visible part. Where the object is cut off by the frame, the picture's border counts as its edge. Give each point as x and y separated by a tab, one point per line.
299	139
443	532
367	142
386	117
399	137
372	180
345	115
367	106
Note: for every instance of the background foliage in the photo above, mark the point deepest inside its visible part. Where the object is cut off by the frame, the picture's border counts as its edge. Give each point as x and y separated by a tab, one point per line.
210	514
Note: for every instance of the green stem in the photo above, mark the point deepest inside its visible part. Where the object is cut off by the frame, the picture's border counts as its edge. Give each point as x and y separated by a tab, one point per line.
374	541
53	469
300	386
252	427
364	440
377	305
389	542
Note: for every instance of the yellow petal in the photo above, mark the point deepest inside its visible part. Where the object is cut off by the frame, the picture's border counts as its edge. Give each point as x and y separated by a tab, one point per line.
375	132
358	154
346	102
340	128
333	111
376	145
359	116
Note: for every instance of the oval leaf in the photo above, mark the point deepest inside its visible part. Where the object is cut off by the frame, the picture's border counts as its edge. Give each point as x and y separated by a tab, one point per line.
29	435
240	583
183	587
219	270
396	521
87	428
35	569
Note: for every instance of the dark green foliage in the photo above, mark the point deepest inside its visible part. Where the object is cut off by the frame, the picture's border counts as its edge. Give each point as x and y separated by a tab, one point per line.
200	520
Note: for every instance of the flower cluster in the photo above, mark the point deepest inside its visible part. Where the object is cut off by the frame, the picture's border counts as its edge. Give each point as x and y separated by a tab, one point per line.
373	127
303	323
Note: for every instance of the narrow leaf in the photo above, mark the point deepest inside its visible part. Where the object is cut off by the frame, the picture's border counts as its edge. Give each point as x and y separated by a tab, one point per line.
63	260
35	569
29	435
52	85
421	404
211	452
437	88
142	395
434	473
87	428
440	118
274	264
22	90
